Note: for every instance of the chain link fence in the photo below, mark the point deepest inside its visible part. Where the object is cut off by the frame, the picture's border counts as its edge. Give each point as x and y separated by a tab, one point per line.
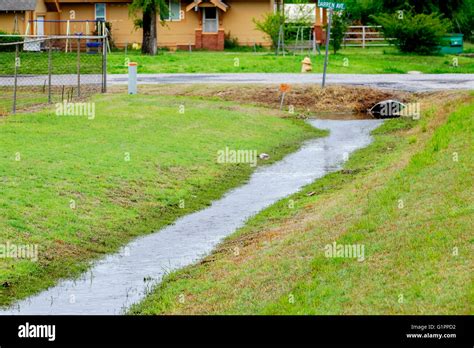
38	71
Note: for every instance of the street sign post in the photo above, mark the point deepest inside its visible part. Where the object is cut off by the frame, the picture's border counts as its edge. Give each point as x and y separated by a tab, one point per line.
328	37
332	6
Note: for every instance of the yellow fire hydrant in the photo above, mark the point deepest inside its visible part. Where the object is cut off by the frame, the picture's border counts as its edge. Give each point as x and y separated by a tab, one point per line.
306	65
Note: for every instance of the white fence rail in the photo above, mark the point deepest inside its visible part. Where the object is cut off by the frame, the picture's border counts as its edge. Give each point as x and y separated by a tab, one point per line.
365	36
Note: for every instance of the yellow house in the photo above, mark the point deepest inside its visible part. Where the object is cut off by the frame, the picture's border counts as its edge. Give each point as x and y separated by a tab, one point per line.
196	23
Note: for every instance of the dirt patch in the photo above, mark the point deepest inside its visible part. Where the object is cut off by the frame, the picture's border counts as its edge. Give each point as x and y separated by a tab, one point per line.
339	102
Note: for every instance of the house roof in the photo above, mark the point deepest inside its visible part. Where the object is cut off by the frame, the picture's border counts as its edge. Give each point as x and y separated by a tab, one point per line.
199	3
17	5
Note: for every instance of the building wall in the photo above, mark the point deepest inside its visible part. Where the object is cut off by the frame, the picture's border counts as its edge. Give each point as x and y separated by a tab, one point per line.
123	29
214	42
182	32
51	28
238	20
40	7
7	21
77	12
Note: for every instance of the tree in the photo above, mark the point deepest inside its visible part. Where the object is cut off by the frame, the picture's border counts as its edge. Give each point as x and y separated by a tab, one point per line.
149	10
270	25
362	9
338	31
463	20
418	33
460	12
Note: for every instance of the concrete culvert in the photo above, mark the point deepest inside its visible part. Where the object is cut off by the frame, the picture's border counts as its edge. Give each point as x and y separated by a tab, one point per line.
387	109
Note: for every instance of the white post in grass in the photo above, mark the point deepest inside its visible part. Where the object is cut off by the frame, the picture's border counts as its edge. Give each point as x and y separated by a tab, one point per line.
132	78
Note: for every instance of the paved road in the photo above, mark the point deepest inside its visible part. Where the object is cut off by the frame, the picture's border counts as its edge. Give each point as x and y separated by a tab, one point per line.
407	82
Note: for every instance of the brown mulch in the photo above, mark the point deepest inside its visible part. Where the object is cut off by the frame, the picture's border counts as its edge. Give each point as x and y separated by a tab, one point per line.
306	100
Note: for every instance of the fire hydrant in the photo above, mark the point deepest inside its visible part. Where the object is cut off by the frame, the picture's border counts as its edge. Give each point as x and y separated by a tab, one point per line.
306	65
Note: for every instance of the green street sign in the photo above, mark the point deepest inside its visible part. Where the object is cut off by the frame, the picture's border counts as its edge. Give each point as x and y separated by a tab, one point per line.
337	6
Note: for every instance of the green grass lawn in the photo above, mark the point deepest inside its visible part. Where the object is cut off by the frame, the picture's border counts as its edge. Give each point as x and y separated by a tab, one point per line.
80	188
62	63
347	61
34	97
407	198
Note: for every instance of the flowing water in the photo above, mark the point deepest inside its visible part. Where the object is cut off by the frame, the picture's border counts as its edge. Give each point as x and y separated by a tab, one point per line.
119	280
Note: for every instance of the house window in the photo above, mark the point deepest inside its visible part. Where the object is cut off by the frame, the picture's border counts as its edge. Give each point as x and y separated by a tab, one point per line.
174	11
100	12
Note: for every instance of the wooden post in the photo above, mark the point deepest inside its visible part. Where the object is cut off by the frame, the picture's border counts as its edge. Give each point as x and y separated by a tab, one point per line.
67	34
79	68
104	63
50	66
363	36
325	22
15	25
15	83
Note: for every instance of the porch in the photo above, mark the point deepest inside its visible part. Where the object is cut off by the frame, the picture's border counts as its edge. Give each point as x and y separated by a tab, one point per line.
210	34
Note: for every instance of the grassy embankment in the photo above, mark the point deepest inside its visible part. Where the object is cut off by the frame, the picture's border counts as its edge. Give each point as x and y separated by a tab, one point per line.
407	198
80	188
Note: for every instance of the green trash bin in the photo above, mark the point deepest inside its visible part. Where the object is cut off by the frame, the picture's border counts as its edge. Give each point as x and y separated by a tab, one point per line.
452	44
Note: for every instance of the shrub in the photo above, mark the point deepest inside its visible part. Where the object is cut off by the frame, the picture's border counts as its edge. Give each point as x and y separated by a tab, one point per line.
230	41
464	20
270	25
9	39
338	31
419	33
361	10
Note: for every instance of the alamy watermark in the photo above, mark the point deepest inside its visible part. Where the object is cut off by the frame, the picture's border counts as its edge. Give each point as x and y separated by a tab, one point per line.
76	109
37	331
237	156
19	251
411	110
349	251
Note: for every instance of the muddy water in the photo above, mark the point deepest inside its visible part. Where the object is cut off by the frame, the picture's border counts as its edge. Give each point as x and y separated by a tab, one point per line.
119	280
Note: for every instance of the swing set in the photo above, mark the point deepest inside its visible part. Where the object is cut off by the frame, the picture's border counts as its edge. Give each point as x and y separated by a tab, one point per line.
302	43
